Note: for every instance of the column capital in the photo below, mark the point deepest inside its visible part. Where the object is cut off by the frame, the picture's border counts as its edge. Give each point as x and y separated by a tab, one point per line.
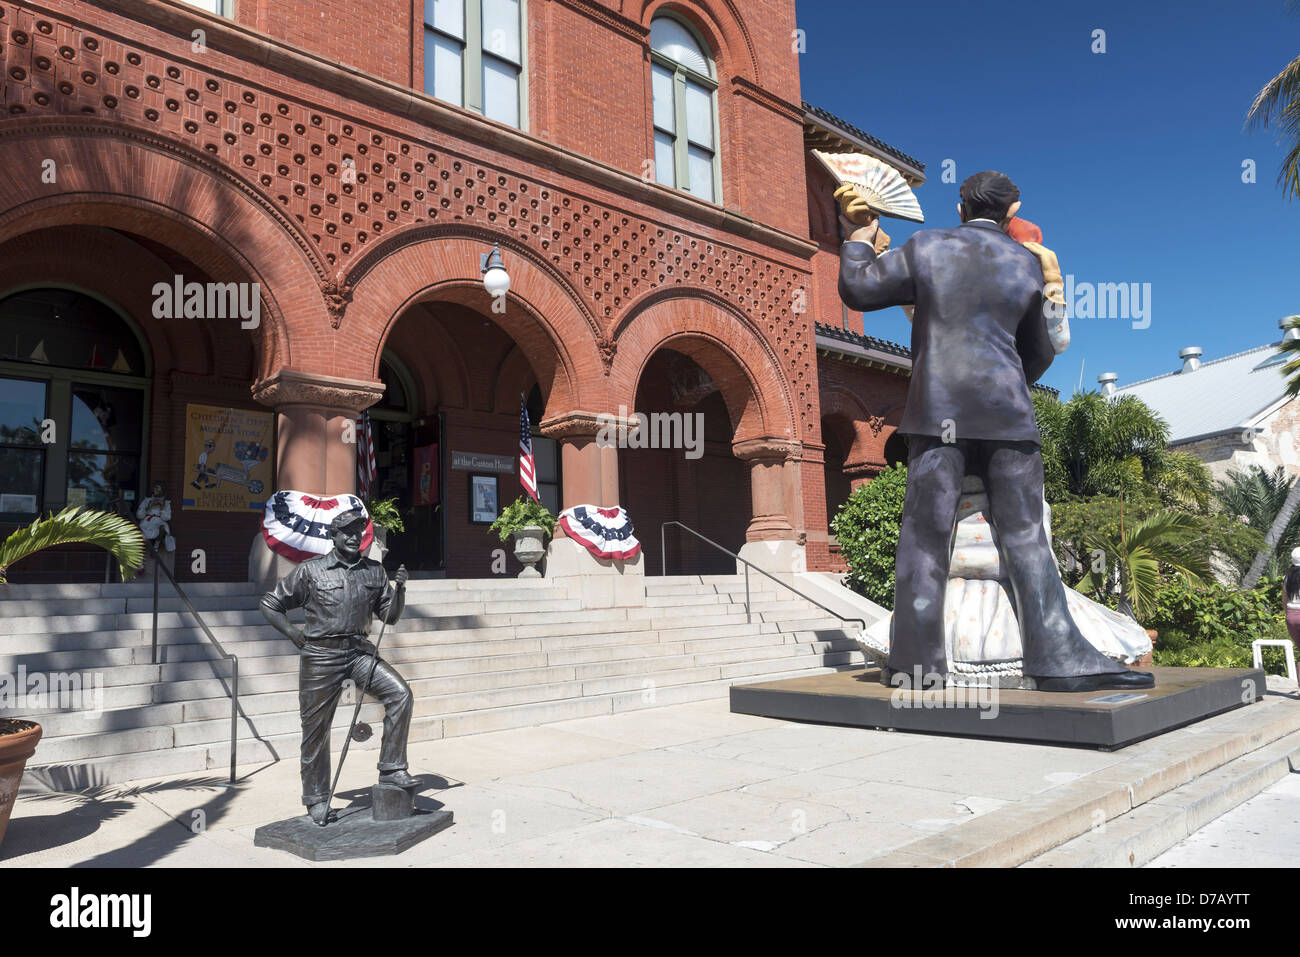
768	448
576	425
863	469
288	387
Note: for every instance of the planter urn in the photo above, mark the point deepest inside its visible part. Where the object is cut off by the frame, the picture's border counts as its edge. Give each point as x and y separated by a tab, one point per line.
529	549
17	744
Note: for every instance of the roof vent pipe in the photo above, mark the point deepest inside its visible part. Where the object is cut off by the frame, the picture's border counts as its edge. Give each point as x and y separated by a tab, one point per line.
1191	357
1290	326
1107	380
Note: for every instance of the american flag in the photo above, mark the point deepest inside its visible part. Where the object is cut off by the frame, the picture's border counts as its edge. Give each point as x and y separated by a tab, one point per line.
365	455
527	464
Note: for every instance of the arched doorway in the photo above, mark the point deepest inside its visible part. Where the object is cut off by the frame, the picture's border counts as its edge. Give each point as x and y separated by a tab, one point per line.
838	436
680	467
454	381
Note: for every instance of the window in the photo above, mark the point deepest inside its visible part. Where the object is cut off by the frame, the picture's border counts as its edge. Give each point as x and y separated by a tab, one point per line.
684	91
69	359
212	6
474	56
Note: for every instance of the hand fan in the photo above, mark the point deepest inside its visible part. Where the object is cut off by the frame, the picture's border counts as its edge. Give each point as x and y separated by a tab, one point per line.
879	184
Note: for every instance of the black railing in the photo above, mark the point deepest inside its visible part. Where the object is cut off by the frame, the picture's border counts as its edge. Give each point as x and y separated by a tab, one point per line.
234	661
663	554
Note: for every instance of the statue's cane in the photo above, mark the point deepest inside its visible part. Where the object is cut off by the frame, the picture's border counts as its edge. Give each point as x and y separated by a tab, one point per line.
356	712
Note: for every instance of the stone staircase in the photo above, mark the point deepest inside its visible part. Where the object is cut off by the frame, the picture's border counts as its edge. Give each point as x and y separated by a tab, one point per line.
480	655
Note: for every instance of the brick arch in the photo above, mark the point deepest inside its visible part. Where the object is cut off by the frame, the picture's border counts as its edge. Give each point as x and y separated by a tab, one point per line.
137	182
109	266
543	315
721	341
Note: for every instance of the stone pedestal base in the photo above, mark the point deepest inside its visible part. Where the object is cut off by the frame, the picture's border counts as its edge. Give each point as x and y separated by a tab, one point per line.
265	567
597	582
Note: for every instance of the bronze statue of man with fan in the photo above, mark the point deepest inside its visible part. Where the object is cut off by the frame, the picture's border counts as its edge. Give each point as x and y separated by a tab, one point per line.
982	332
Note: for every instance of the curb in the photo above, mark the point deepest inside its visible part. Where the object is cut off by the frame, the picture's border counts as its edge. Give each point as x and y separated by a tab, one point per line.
1146	781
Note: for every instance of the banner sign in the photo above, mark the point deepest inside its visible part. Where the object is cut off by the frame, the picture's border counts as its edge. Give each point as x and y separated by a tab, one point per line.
227	458
426	475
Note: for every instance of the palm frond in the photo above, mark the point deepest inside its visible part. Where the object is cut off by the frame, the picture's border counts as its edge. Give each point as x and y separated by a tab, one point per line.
105	530
1278	105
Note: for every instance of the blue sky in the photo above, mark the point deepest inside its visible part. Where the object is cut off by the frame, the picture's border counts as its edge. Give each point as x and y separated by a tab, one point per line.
1130	161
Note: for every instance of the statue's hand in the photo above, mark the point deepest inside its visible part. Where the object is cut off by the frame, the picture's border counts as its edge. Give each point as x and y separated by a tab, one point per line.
402	575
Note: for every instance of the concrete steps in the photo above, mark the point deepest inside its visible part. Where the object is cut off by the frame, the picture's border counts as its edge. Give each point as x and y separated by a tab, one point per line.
480	655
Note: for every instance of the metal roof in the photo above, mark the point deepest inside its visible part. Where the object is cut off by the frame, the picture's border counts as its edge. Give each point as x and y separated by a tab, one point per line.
1222	395
826	131
871	351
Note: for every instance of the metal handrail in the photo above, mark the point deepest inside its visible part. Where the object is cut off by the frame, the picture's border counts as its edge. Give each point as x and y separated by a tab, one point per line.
234	661
663	554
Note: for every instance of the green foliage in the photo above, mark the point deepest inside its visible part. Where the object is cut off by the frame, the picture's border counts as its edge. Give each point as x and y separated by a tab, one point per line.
1257	496
385	514
1212	626
521	513
1092	445
105	530
867	526
1138	556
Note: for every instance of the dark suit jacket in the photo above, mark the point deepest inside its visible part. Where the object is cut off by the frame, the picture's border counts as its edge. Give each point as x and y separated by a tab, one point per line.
979	336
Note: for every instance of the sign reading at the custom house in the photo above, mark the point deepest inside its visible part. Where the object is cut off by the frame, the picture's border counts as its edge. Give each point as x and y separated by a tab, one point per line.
482	462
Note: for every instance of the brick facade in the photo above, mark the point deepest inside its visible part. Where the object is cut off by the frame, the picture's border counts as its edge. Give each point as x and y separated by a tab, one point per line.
290	146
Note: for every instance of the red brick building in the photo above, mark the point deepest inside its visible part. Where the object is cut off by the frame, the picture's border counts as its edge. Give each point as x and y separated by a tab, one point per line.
642	166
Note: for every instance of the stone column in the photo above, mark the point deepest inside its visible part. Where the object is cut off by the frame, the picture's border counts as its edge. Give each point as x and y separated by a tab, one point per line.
589	464
311	455
588	458
771	541
312	412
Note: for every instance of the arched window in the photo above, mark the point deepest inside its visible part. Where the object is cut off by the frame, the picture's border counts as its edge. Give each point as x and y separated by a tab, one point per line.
685	89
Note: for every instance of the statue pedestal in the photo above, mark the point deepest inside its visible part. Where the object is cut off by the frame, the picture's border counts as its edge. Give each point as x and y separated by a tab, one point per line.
390	825
1100	719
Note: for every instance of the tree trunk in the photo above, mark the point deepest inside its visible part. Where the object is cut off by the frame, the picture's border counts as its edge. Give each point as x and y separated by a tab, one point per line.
1274	534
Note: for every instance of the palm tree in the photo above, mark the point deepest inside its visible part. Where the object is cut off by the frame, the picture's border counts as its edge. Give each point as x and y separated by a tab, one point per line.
1094	445
1287	347
1257	497
1278	103
1133	557
104	529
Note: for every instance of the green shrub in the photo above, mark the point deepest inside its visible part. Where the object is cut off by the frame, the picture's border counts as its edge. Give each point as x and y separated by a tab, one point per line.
867	526
1213	626
384	513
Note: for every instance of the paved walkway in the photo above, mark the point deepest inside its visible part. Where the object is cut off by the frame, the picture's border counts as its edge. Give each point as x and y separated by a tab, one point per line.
687	785
1261	832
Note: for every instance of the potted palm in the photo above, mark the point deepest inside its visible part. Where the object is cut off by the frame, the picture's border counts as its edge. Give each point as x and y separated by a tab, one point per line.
529	523
122	539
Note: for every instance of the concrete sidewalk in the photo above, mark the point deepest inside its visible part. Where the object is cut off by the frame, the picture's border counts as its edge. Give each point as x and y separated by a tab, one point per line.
686	785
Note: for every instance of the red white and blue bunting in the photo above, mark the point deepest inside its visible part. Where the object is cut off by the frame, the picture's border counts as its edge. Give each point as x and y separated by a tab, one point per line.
297	525
605	532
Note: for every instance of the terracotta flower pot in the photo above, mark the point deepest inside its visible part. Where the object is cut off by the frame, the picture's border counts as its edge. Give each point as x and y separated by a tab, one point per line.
17	744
